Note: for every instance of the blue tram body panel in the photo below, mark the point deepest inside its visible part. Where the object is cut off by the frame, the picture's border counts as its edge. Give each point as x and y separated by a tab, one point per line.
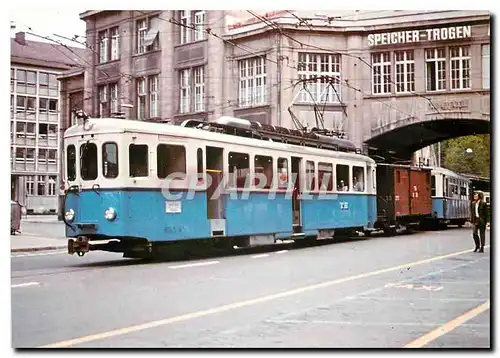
338	211
139	214
372	210
257	214
449	209
438	207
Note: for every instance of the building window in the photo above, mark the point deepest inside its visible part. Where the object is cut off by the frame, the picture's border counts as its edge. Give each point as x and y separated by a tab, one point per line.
115	43
43	83
147	97
103	46
30	185
142	30
147	35
199	89
103	101
108	99
41	185
12	79
192	90
141	98
381	73
185	83
21	81
153	96
52	185
115	106
326	69
199	23
485	51
405	71
185	31
252	81
435	69
460	67
188	18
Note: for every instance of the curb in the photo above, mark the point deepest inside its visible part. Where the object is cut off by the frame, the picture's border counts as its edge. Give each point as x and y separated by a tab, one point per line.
45	248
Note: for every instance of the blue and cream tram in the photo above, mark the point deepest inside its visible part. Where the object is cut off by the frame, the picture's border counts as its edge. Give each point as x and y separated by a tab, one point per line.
141	185
450	197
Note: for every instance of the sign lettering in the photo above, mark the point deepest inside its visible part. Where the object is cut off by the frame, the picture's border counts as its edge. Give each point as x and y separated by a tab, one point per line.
413	36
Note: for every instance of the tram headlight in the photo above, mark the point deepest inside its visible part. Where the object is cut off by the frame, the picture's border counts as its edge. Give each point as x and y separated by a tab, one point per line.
110	214
69	215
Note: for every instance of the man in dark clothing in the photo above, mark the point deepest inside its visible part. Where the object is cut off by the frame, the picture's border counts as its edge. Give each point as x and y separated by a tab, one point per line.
479	219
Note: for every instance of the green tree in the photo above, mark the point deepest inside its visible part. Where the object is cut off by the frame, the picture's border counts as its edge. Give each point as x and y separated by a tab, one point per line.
457	159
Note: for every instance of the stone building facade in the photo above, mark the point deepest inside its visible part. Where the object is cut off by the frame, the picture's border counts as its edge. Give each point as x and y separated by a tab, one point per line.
372	70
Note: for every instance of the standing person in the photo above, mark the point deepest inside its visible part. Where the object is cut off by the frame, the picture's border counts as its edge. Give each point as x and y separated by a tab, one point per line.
479	219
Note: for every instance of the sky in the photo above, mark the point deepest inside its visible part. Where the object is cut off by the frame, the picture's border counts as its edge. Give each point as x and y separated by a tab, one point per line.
47	22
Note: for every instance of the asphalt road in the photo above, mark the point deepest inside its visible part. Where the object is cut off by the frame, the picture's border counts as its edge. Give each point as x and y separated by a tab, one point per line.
375	293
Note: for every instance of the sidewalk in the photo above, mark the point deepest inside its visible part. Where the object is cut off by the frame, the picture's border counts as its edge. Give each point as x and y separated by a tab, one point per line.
26	243
40	219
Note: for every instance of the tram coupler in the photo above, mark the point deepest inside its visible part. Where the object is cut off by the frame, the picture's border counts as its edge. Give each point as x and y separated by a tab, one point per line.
80	247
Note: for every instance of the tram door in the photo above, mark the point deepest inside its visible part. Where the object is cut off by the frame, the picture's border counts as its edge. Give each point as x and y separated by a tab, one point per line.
296	192
215	209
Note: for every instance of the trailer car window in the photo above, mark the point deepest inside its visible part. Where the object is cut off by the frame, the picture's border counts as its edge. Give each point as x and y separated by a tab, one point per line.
282	173
325	176
433	185
342	177
138	160
71	162
110	160
170	159
358	178
264	165
88	161
239	168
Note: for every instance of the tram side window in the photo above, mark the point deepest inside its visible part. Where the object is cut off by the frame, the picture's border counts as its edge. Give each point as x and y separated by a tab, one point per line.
71	162
358	178
342	177
445	187
282	173
264	166
110	160
88	161
310	175
170	159
463	192
325	176
239	168
138	160
433	185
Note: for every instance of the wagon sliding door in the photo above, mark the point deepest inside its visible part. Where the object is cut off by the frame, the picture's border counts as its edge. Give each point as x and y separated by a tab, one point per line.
401	192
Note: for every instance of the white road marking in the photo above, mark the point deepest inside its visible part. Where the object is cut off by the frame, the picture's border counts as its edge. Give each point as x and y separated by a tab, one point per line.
259	256
25	284
194	265
281	252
